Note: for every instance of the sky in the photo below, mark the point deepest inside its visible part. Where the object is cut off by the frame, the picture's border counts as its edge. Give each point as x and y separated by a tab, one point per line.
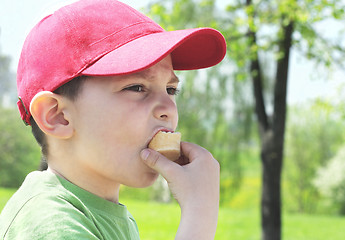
17	17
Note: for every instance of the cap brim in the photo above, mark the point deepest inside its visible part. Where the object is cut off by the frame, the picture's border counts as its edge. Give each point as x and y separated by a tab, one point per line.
190	49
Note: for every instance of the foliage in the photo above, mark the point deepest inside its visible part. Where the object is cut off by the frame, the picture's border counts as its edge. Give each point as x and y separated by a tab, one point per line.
330	180
266	17
313	137
19	153
208	118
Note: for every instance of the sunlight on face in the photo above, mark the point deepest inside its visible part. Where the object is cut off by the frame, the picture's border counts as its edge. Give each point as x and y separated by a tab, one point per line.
115	118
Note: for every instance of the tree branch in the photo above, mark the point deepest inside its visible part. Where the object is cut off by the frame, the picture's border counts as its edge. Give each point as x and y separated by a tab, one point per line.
255	72
280	90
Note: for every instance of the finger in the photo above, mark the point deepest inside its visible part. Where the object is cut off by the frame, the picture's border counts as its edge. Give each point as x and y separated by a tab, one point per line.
158	162
193	151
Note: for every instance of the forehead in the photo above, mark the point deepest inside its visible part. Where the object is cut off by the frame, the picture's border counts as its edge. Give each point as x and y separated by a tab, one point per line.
162	69
162	72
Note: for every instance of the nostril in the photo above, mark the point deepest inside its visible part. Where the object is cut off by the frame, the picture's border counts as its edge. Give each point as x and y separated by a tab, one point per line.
164	116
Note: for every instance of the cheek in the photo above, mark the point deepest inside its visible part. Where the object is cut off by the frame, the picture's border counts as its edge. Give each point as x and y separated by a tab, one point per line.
125	126
175	118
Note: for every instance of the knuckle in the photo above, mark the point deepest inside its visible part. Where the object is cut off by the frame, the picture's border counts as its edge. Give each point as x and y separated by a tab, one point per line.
212	161
153	159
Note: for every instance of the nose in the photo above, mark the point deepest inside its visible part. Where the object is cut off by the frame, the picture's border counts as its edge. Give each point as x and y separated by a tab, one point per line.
165	108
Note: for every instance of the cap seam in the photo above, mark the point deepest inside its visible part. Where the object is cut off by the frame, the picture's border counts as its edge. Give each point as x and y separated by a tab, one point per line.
99	56
112	34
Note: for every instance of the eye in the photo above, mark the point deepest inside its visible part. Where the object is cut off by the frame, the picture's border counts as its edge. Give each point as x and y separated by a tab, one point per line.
135	88
172	91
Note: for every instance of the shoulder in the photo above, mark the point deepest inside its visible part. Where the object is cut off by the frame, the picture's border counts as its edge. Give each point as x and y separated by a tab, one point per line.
52	216
45	210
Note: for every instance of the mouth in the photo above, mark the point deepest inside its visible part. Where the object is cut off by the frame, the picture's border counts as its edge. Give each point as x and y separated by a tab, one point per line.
165	130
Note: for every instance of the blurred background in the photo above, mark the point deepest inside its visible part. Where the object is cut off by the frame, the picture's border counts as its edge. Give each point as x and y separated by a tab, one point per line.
272	113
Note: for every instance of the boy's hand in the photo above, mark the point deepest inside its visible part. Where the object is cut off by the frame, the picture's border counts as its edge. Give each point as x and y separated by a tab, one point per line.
194	185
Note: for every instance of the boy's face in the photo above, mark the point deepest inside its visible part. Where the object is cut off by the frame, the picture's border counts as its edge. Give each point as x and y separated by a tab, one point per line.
115	117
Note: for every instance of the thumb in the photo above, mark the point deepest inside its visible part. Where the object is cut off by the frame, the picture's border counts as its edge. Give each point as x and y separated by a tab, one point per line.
158	162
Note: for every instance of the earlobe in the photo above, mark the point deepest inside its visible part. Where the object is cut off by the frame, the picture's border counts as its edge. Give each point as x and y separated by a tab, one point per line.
51	114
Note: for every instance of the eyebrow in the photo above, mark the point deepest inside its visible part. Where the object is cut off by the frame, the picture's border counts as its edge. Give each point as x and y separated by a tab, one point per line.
174	79
146	75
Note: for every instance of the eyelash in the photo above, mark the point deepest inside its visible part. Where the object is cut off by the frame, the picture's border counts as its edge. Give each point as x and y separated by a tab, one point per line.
135	88
140	88
174	90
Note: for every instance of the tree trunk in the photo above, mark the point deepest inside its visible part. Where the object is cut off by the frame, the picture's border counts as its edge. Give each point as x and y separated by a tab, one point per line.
272	150
272	135
271	157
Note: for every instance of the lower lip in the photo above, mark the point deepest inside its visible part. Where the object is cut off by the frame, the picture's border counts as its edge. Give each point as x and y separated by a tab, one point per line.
164	131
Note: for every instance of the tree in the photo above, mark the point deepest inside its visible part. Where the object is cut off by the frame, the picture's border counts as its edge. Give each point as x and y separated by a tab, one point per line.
314	134
19	152
207	118
7	78
258	31
330	180
275	27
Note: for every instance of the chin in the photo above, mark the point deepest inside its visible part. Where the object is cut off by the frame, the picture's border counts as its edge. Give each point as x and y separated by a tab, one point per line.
147	180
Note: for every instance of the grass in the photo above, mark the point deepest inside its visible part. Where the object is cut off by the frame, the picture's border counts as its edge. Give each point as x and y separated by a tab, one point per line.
313	227
158	221
5	194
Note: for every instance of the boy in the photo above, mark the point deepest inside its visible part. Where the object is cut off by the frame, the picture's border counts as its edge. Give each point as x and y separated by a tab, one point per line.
96	82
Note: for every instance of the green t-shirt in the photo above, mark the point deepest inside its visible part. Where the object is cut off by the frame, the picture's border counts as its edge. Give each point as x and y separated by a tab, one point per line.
49	207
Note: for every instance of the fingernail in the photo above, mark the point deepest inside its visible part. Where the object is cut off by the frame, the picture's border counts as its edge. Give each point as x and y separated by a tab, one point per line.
145	154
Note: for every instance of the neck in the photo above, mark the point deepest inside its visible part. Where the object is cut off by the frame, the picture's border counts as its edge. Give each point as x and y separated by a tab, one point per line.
104	189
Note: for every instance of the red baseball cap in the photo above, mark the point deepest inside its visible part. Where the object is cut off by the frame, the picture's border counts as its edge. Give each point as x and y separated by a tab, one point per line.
105	37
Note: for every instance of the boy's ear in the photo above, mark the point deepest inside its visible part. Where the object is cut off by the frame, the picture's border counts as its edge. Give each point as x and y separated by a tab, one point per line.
51	114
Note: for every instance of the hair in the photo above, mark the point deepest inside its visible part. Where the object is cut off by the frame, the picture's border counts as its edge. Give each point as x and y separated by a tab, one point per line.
69	90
